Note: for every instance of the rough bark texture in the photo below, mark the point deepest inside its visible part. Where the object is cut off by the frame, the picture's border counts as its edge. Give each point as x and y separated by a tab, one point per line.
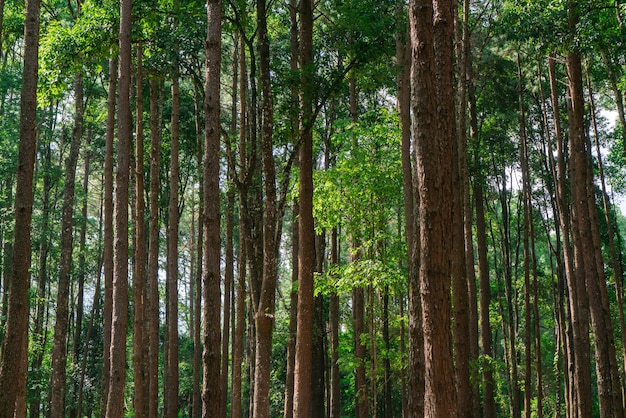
61	326
211	394
139	273
306	255
14	347
432	103
115	402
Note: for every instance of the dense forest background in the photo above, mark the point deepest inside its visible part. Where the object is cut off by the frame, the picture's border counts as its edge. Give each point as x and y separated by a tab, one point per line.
312	209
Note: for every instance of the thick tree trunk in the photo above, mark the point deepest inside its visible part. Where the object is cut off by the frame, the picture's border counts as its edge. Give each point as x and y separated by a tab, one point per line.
115	402
432	103
588	243
15	345
139	273
61	326
306	255
171	312
211	395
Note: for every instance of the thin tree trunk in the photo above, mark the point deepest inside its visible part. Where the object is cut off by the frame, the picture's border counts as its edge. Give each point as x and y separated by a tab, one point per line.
229	273
293	315
107	255
211	395
335	381
152	280
171	380
61	327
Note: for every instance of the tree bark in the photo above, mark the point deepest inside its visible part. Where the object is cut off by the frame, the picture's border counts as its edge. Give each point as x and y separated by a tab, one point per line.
171	380
211	395
139	273
306	255
115	402
15	345
432	103
152	280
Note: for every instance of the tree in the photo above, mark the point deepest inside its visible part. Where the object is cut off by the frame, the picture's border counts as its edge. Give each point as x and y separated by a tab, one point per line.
14	347
211	395
432	103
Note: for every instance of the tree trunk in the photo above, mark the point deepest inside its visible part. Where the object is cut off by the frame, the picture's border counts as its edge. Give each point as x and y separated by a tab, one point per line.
293	315
211	395
585	215
581	384
115	402
61	326
107	253
139	273
152	283
15	345
432	103
171	317
306	255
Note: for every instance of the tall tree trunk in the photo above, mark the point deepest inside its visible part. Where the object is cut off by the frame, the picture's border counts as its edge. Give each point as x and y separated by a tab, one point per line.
264	316
152	279
318	368
15	345
238	339
61	326
581	384
588	243
306	255
171	318
115	402
139	273
197	347
211	395
416	355
432	103
107	254
608	212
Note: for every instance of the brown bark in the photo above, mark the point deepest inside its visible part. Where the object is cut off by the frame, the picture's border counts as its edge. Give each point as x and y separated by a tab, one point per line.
61	326
15	345
115	402
360	381
197	308
171	380
229	273
107	252
152	280
608	217
318	363
306	255
587	244
238	341
211	393
432	103
264	315
139	273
